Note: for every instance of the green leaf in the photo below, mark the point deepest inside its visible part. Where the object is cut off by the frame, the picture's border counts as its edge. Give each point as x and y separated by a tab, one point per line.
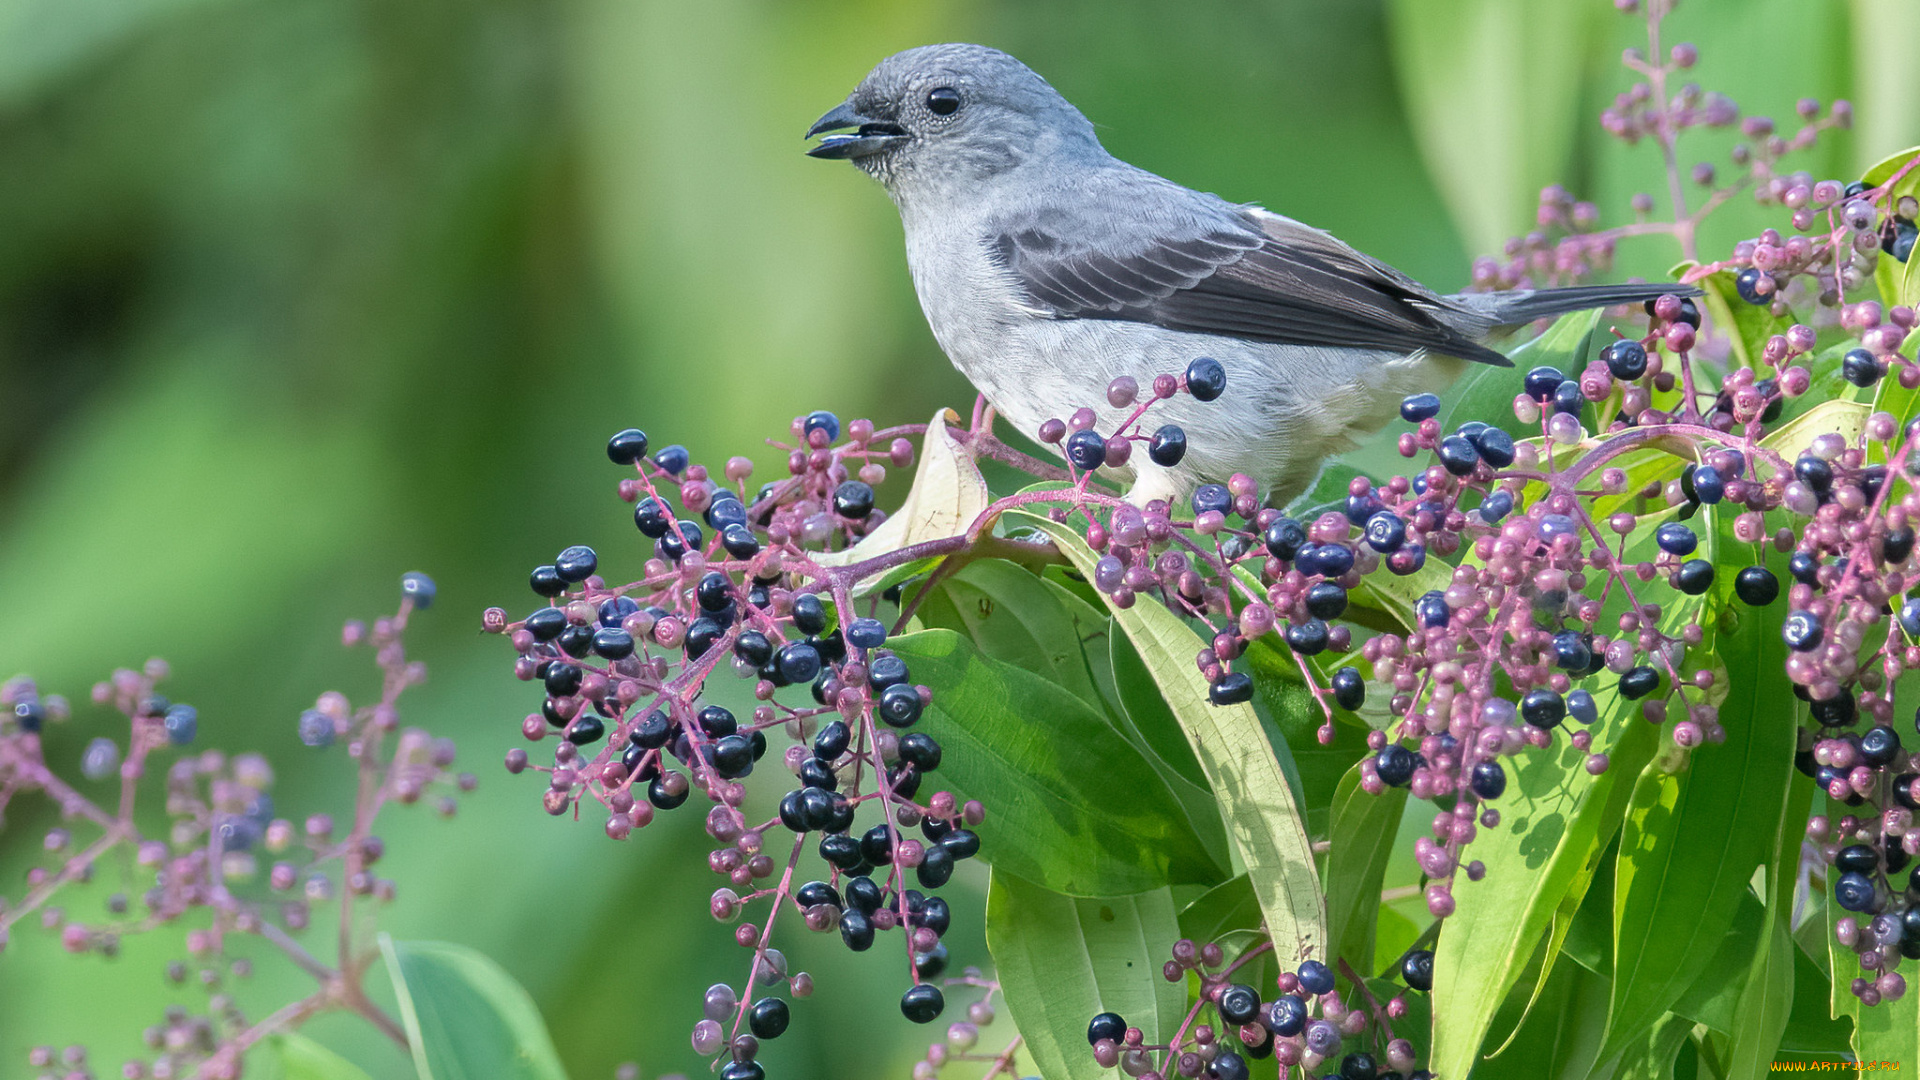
1560	1036
292	1056
1076	807
1700	823
1364	827
1014	615
1262	818
466	1018
1899	282
947	497
1555	820
1062	960
1222	910
1494	88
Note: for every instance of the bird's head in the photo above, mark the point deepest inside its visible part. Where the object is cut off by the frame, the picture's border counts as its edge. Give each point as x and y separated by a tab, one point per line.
950	115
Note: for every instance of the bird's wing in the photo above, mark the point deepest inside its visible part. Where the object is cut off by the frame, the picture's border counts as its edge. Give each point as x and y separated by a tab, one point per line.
1206	266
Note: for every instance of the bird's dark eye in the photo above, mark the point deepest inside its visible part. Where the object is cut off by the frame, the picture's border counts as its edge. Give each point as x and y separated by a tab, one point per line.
943	101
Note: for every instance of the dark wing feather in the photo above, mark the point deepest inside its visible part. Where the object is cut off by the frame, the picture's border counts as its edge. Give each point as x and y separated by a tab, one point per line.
1233	272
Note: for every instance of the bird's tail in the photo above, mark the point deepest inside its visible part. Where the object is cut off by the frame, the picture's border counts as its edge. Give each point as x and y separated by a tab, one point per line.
1520	307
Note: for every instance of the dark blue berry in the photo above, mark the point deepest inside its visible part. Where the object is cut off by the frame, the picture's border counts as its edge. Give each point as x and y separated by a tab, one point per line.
1676	539
1349	689
884	671
1694	577
685	536
586	728
563	679
1457	455
1496	506
1803	568
1362	507
612	643
1206	379
936	867
1495	447
1747	284
546	581
1860	368
809	613
1238	1003
1708	485
1284	538
1227	1065
768	1018
919	750
1853	892
743	1070
856	929
853	499
1582	707
1386	532
1900	243
961	843
1307	638
1233	688
1813	472
1541	382
1487	779
315	728
717	721
1315	977
932	963
1626	359
822	420
419	588
651	518
672	459
1879	746
1839	710
1897	545
1543	708
1326	600
831	741
1395	764
576	564
1418	407
627	447
867	633
1431	610
1329	560
922	1004
1639	682
1286	1016
1086	449
1802	631
1571	651
1167	446
725	512
1417	970
1567	398
740	541
701	635
753	647
900	705
1108	1026
1910	617
1357	1067
797	662
1212	497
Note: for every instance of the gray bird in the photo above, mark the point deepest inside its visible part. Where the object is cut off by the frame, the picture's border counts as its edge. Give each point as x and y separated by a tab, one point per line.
1047	268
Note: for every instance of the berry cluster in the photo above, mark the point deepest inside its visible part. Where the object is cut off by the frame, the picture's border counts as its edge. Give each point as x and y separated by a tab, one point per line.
751	582
1305	1022
227	855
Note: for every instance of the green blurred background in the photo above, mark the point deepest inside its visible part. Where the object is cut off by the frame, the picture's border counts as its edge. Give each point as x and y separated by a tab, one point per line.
298	295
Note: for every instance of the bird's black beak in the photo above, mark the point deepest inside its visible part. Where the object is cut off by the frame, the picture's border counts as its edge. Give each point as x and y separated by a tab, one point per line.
870	136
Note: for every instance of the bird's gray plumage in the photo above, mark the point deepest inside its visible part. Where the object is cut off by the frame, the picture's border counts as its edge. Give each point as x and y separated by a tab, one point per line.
1047	267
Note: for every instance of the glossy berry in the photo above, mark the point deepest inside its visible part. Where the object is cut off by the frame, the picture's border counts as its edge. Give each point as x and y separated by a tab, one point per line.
1308	638
1541	382
1212	497
586	728
900	705
1543	708
546	581
1571	651
1582	707
673	459
1227	1065
1234	688
1238	1003
1813	472
1418	407
1708	485
768	1018
1167	446
1626	359
1284	538
1897	545
1676	539
1386	532
1689	311
725	511
1349	689
701	634
1357	1067
743	1070
1206	379
1639	682
576	564
685	536
1694	577
1910	617
922	1004
1087	449
1315	977
853	499
856	929
1860	368
1496	507
1417	970
1802	631
1567	398
1395	764
1853	892
1431	610
797	662
919	750
1108	1026
651	518
936	867
884	671
1495	447
612	643
1326	600
1879	746
823	421
1286	1016
1803	568
1488	779
1457	455
1747	284
627	447
867	633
